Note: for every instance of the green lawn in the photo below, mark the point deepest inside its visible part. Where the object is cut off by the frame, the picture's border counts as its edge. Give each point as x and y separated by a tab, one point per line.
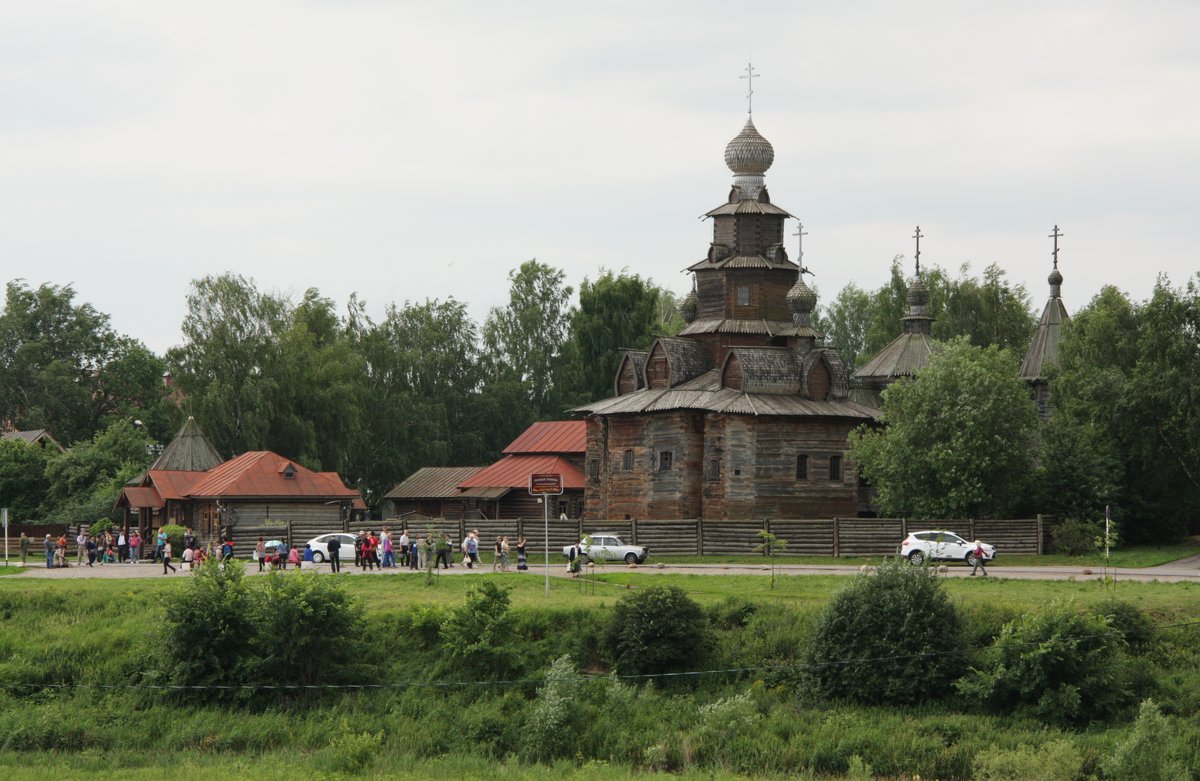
1145	556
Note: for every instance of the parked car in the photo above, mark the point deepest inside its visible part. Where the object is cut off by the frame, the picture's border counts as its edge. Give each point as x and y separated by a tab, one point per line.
919	547
320	547
608	547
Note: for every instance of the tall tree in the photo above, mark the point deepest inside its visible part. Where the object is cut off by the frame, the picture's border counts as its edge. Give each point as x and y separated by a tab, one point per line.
525	338
957	440
1128	374
85	481
987	311
616	311
51	352
230	334
23	484
846	321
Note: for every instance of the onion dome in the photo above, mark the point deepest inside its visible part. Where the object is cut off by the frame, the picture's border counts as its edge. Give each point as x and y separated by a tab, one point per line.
689	306
749	155
1055	279
802	300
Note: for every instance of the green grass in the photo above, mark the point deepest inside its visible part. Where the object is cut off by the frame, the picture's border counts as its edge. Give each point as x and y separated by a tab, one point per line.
1143	556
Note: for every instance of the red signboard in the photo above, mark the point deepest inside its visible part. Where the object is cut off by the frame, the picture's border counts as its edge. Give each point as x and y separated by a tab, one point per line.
545	485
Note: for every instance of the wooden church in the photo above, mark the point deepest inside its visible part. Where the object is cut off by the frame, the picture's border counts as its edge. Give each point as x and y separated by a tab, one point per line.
744	414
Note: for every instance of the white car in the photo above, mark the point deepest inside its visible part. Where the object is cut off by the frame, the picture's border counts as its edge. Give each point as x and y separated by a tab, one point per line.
320	547
609	547
920	547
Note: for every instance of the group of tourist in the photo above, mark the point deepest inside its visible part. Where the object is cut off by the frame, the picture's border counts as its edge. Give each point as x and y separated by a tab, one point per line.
99	548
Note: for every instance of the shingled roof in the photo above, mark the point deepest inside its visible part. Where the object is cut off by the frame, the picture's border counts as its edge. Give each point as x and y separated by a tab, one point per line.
432	482
189	451
686	358
37	436
1043	348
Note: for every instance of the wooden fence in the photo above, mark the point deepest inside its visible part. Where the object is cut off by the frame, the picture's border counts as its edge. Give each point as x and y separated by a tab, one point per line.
808	537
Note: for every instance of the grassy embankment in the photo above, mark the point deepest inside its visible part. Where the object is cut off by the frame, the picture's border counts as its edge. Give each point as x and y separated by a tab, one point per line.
88	635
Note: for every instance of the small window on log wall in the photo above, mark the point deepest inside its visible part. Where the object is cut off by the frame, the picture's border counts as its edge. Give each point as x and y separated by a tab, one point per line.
664	460
835	468
802	467
593	467
627	461
743	296
714	469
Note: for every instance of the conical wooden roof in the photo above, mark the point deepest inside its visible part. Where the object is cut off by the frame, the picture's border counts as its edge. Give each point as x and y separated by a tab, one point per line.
189	451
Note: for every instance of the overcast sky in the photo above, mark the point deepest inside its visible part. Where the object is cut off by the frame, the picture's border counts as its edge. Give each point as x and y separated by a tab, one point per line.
411	150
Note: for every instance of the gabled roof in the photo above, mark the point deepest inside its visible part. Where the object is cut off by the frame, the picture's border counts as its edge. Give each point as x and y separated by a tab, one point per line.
37	436
189	451
686	358
432	482
513	472
261	473
551	436
139	497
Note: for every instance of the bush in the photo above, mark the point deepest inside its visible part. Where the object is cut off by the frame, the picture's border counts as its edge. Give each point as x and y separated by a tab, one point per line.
298	630
1058	760
553	724
1074	537
1058	666
475	638
1126	618
889	637
175	537
657	630
1149	752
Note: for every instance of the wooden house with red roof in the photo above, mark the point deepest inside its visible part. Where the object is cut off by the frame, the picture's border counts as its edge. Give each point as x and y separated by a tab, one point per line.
190	485
501	490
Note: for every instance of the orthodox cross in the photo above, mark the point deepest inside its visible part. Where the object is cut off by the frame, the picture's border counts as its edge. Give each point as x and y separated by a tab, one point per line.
1056	236
750	77
800	234
918	237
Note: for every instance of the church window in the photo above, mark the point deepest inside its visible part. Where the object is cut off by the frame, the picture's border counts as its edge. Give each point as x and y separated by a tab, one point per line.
593	469
627	461
802	467
664	460
743	296
835	468
713	472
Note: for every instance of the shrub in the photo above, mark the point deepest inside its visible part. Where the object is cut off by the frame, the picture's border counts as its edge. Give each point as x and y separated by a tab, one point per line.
296	630
100	525
892	636
1135	628
474	636
550	729
1074	537
1149	752
657	630
175	537
1057	665
1058	760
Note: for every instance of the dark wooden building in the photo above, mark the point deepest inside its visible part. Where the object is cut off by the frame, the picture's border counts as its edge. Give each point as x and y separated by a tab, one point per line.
905	355
433	492
1043	347
744	414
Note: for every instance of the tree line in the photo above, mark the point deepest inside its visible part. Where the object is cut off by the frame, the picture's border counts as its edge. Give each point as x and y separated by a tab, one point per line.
426	385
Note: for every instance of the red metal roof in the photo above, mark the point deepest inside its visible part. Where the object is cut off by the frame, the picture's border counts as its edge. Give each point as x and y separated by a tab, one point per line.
139	497
171	484
514	471
260	473
552	436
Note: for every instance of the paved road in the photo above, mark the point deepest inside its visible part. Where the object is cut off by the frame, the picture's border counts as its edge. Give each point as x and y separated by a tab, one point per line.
1178	571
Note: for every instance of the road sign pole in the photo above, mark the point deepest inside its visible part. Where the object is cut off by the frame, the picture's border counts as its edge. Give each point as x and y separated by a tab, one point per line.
544	486
4	518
